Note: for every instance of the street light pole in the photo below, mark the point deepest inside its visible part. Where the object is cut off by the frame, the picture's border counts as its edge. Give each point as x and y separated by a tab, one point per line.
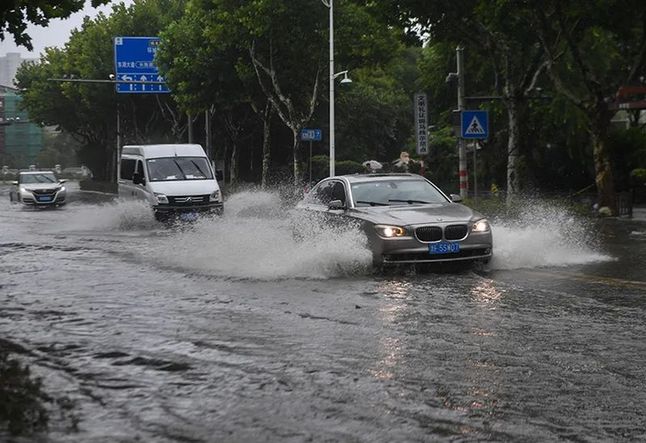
330	5
462	152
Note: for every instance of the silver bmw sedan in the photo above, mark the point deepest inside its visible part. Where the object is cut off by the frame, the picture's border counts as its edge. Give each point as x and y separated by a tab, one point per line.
406	218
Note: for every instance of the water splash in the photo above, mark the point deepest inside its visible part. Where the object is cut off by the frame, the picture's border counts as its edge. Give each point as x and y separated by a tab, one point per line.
121	215
255	240
544	235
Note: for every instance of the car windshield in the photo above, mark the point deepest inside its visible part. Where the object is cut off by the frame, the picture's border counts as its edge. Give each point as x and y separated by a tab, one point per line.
395	192
179	168
38	178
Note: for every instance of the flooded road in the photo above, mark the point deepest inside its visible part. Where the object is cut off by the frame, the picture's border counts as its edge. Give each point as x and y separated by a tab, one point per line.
229	330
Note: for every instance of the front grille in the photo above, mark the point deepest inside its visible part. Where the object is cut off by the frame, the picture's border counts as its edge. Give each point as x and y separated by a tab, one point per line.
425	257
44	191
189	200
455	232
429	233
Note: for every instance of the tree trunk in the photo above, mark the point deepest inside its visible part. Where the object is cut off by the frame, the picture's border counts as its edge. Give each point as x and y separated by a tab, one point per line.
603	166
266	143
513	151
298	173
233	166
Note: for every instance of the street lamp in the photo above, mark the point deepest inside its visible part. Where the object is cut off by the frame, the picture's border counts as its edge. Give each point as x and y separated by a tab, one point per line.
333	76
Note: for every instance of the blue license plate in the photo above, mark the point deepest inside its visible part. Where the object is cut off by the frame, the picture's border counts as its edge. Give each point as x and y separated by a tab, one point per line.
443	248
44	199
188	216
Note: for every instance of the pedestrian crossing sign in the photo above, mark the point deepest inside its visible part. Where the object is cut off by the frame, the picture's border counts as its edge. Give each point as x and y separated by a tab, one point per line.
475	124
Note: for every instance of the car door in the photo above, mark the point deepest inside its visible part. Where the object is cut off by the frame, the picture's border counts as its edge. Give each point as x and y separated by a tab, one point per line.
127	189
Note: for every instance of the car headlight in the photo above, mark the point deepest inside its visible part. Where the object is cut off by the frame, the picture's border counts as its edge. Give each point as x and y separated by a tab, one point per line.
25	190
61	189
161	199
386	231
481	225
215	196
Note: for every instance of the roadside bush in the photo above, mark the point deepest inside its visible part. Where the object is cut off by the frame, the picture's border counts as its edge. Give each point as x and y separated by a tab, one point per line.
348	167
21	407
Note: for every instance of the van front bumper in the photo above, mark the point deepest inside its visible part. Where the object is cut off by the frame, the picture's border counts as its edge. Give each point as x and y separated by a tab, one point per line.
169	210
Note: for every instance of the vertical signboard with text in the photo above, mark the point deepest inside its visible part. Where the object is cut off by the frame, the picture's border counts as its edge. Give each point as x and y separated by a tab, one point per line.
134	65
421	123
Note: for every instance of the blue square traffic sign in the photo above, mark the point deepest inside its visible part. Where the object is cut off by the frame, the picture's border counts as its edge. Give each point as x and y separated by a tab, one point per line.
311	135
134	64
475	124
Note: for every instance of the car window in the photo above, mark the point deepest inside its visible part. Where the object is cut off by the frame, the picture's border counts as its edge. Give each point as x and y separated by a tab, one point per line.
127	168
395	192
338	192
321	194
37	178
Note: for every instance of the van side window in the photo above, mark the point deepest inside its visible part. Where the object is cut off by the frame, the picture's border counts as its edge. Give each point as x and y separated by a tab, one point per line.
140	168
127	168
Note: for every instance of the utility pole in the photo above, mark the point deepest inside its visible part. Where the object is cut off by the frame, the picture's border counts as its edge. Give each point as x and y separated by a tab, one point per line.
462	154
207	136
189	118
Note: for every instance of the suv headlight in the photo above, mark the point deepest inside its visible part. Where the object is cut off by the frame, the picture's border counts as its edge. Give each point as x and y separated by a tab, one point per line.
25	190
161	198
386	231
215	196
481	225
61	189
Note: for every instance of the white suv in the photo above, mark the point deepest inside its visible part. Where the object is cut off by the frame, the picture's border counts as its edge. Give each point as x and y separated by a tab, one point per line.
38	188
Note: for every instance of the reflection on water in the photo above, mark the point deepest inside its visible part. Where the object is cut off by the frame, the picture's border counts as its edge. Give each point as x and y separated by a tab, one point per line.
486	292
393	305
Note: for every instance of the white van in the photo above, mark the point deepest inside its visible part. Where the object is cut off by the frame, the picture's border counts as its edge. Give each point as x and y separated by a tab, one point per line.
177	180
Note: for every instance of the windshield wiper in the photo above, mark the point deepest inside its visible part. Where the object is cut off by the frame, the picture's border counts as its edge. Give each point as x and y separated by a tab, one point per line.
198	168
180	169
410	202
372	203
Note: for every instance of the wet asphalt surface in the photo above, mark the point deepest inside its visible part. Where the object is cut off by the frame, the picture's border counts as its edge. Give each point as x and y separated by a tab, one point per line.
147	345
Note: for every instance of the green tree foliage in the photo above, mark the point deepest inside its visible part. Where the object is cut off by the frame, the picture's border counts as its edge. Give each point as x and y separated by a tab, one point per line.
223	54
16	15
594	48
88	110
59	148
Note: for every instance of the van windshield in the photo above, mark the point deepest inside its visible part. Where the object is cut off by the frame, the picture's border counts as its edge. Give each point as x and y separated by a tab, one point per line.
178	168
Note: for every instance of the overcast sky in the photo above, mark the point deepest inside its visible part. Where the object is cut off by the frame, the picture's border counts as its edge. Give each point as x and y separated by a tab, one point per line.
56	34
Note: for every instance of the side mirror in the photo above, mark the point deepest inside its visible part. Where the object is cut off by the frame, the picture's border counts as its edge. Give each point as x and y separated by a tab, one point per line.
455	198
219	175
15	183
62	181
336	205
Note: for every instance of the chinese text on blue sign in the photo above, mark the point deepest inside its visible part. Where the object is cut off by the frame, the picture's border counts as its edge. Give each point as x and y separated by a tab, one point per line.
311	135
134	63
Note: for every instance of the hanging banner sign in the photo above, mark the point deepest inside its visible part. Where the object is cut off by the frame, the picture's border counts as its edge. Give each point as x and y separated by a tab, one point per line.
421	123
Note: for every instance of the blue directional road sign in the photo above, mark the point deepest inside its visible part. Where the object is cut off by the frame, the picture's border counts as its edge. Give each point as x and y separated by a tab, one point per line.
134	62
475	124
311	135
